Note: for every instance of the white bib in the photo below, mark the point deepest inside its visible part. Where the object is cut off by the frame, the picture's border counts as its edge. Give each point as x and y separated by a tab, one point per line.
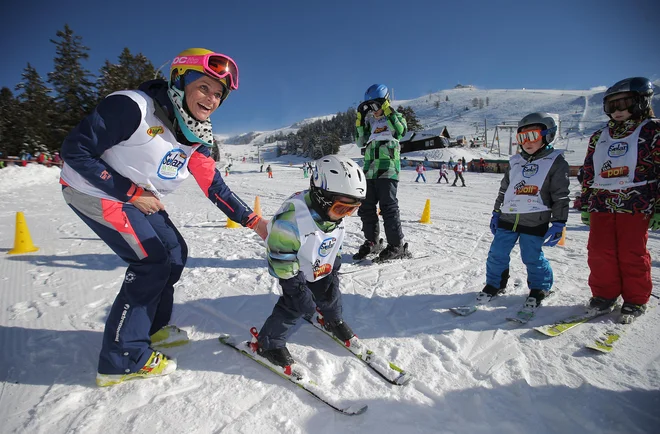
380	131
615	161
151	158
318	249
523	196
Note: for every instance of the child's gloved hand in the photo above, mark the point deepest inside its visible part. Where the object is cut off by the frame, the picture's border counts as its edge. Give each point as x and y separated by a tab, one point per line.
359	121
586	217
554	233
494	221
386	108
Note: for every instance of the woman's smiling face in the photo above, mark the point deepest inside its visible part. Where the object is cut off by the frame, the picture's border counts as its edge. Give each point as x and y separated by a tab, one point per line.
203	96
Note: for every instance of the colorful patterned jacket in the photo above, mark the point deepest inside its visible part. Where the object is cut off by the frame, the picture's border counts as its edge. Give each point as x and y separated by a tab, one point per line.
382	159
642	199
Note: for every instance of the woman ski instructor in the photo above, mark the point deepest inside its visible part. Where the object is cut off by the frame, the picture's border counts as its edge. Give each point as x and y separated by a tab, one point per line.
119	162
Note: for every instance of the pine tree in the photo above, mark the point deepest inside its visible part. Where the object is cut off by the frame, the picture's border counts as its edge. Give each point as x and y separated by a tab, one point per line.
71	82
129	73
39	107
12	124
411	118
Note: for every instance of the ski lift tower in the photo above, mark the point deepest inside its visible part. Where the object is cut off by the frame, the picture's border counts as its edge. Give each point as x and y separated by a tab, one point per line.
503	128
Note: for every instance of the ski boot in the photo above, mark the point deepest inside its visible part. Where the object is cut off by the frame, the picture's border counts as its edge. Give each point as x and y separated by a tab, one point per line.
601	305
339	329
368	248
394	252
630	312
488	293
277	356
157	365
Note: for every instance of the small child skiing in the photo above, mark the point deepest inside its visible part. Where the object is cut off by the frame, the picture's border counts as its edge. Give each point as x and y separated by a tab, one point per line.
620	199
443	173
458	171
304	252
269	170
534	193
420	172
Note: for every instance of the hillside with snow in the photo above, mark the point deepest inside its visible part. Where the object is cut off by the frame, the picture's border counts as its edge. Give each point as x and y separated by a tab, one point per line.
580	113
478	374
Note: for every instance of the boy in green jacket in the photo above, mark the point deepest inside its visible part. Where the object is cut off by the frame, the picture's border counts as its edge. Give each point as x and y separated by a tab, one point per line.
379	129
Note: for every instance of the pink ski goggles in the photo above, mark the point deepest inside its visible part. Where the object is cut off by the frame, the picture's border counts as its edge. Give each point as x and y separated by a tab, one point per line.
214	65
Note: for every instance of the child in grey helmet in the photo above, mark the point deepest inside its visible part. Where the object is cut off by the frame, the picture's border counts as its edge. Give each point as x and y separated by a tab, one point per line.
531	208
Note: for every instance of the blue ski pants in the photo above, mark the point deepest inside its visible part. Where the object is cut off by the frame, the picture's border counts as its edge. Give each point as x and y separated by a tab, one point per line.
539	272
156	255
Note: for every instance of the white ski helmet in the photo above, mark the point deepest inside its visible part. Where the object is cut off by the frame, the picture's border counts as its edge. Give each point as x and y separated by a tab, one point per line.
336	176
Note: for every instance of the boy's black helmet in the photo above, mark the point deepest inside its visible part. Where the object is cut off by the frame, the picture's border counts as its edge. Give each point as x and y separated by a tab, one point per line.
641	86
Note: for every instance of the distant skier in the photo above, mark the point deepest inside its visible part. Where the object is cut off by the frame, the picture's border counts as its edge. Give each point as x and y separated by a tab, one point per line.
458	172
621	200
304	252
420	172
443	173
269	170
533	193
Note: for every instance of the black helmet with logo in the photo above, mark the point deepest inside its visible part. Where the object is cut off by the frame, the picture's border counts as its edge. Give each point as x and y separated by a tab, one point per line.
641	86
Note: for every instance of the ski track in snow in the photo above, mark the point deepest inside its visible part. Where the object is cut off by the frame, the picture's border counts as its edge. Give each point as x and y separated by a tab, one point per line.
476	374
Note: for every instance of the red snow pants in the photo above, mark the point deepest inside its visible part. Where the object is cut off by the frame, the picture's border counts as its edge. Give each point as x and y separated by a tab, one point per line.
618	259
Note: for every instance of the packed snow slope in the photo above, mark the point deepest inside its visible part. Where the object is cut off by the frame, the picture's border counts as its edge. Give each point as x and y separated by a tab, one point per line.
475	374
580	113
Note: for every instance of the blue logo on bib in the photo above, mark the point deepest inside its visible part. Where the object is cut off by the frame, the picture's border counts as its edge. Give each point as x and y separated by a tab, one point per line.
618	149
171	163
326	246
530	170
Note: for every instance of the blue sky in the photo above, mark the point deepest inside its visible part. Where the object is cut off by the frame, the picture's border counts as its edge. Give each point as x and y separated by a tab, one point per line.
299	59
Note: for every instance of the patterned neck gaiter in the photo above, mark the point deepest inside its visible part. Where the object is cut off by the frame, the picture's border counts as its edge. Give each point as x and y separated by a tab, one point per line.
195	131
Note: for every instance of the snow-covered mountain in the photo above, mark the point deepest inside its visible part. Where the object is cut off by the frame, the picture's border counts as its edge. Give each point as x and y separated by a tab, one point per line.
580	114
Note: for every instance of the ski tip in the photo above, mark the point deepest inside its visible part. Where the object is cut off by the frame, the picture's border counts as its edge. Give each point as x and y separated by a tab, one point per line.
354	410
403	379
225	338
463	310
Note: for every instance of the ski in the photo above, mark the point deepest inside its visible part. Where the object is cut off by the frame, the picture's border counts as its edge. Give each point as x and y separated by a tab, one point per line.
568	323
387	370
605	342
366	264
298	375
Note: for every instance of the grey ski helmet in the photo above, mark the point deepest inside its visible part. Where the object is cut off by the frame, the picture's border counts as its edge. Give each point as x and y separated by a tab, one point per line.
543	120
641	86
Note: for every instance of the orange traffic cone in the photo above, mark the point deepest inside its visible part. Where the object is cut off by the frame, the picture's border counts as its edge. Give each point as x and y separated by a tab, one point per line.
257	206
562	241
232	224
426	215
22	240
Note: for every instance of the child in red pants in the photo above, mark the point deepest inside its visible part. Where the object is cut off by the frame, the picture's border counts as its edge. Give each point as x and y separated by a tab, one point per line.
620	199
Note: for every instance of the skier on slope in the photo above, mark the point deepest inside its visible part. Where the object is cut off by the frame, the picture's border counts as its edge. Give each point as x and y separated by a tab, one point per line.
533	193
621	199
379	129
304	252
133	149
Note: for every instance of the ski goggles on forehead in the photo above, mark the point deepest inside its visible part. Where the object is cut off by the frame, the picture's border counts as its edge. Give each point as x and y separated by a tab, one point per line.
621	104
214	65
530	136
343	208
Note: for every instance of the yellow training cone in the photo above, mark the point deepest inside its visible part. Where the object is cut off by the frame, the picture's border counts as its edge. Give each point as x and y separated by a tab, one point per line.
426	215
562	241
232	224
257	206
22	240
